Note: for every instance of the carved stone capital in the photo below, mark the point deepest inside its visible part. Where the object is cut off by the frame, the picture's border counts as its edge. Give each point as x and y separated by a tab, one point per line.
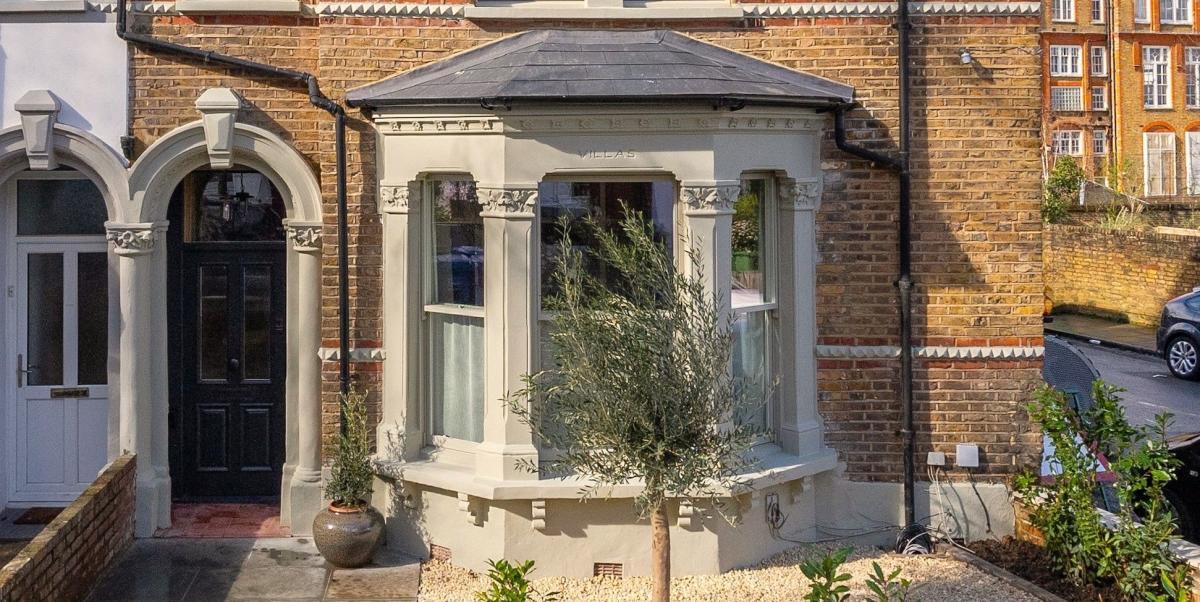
710	198
305	238
800	195
133	239
507	200
400	198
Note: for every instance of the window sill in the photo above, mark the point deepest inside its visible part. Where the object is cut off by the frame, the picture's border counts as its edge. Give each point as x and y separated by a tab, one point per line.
259	7
690	12
42	6
774	467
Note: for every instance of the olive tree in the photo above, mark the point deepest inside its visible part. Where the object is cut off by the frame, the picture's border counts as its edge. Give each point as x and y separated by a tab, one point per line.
642	389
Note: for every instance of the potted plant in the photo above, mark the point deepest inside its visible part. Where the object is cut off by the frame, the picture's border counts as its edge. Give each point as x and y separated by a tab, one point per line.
349	529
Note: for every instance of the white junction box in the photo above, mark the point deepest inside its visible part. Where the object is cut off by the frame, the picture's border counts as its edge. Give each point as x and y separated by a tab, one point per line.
966	455
936	458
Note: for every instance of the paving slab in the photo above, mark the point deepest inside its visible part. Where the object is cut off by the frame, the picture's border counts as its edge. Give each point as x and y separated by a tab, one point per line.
1115	334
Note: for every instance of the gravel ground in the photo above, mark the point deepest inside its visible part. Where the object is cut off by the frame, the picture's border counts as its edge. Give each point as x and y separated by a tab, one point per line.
935	578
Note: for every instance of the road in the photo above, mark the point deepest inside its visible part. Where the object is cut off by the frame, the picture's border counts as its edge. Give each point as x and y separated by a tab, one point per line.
1150	387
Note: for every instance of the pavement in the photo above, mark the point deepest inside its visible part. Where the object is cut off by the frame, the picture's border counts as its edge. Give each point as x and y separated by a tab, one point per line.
1108	332
261	570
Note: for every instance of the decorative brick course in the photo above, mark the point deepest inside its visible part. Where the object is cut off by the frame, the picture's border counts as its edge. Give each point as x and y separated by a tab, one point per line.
66	558
1128	275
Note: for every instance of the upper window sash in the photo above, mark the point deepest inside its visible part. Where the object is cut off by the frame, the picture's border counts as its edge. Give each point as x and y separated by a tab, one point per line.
1097	11
1098	61
1175	12
1066	61
1156	71
1141	11
1064	10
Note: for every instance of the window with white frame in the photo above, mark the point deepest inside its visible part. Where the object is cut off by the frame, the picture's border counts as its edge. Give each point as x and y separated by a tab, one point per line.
454	309
1175	11
1156	70
1099	143
1064	10
1159	159
1066	98
1097	11
1065	61
1099	98
752	296
1141	11
1193	162
1191	61
1067	142
1098	61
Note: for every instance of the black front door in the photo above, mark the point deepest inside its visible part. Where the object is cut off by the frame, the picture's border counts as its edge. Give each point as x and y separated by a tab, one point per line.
227	331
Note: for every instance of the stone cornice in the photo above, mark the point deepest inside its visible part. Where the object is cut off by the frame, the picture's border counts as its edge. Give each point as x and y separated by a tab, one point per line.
133	239
781	10
937	352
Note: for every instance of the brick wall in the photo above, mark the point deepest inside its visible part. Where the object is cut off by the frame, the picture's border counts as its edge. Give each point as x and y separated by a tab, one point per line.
66	558
1128	275
977	250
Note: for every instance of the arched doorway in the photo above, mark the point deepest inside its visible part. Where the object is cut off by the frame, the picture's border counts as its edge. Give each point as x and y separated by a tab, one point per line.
226	325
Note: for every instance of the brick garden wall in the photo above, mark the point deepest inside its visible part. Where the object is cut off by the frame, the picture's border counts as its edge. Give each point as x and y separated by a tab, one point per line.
1127	275
65	559
976	188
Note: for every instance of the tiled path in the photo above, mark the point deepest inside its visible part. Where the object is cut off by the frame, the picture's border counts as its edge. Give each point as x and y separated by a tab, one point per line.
224	520
262	570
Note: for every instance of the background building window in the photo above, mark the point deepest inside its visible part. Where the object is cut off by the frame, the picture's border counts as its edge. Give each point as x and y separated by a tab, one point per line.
1066	98
1156	69
1099	98
1141	11
1098	61
1191	61
1160	163
1068	142
1064	10
1193	162
1175	11
1065	61
752	296
1097	11
454	310
1099	142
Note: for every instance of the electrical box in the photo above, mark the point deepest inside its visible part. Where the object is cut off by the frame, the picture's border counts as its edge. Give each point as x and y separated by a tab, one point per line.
936	458
966	455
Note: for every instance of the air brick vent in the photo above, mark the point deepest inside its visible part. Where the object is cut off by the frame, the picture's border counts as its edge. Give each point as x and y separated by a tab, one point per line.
608	569
437	552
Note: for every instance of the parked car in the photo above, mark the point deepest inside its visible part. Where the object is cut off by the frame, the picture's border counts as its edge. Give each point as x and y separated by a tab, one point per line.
1183	493
1179	335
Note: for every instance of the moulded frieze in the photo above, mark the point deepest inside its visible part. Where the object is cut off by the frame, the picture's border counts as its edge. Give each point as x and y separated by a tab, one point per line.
507	200
132	239
441	125
304	237
398	198
800	195
710	198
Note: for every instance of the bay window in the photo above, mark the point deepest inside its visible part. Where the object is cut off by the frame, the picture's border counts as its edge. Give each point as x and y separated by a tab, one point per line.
752	297
454	309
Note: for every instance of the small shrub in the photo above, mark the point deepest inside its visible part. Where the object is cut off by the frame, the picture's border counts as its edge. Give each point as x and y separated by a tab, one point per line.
510	583
351	477
889	587
1061	189
828	584
1123	218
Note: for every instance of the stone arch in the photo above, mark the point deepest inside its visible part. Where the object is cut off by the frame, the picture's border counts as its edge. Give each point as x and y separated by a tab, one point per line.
81	151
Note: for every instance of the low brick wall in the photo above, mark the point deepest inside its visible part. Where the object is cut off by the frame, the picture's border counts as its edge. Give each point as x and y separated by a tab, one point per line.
1125	275
65	559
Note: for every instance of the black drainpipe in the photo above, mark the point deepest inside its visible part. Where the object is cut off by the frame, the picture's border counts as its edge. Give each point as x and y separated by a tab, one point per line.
319	100
904	281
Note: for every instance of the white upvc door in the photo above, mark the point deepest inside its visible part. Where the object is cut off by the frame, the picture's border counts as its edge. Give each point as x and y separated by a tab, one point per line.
59	418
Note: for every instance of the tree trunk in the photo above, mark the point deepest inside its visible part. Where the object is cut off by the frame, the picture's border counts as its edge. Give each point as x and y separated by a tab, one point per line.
660	554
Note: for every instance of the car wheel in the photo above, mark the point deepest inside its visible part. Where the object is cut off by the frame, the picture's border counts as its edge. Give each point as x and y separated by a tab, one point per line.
1183	513
1183	358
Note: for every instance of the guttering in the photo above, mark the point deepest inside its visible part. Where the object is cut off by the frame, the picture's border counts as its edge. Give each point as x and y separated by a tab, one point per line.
904	281
317	99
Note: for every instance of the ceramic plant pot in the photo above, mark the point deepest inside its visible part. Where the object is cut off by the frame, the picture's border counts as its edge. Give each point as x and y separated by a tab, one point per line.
347	537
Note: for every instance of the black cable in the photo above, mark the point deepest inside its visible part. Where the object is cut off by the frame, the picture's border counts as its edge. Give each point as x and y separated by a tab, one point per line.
986	517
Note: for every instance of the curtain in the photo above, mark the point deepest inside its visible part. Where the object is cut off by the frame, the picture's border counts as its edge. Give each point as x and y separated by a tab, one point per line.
750	366
457	372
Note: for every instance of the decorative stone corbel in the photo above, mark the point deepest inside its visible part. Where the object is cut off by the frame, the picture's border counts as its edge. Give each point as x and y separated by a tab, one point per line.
219	108
466	506
687	514
305	237
39	113
539	514
409	495
133	239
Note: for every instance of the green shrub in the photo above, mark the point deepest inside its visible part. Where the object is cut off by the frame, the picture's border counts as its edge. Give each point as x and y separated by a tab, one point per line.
510	583
887	587
827	582
1061	189
351	477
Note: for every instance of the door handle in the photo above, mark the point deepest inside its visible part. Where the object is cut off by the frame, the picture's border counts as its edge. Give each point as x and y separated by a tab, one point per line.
234	364
22	373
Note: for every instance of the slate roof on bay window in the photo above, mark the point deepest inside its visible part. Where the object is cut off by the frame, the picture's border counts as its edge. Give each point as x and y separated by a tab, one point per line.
601	66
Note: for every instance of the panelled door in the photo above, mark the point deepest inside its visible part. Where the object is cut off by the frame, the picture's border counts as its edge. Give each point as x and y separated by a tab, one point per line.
230	419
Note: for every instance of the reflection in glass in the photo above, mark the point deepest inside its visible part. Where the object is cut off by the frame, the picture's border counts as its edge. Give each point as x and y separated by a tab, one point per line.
235	205
214	334
572	202
750	366
45	319
457	244
749	253
256	307
59	207
93	319
457	371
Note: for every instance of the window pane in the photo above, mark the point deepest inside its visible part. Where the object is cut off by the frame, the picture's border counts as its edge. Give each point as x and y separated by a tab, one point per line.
457	244
232	206
256	308
214	316
456	366
573	201
93	319
44	327
59	207
748	244
750	366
